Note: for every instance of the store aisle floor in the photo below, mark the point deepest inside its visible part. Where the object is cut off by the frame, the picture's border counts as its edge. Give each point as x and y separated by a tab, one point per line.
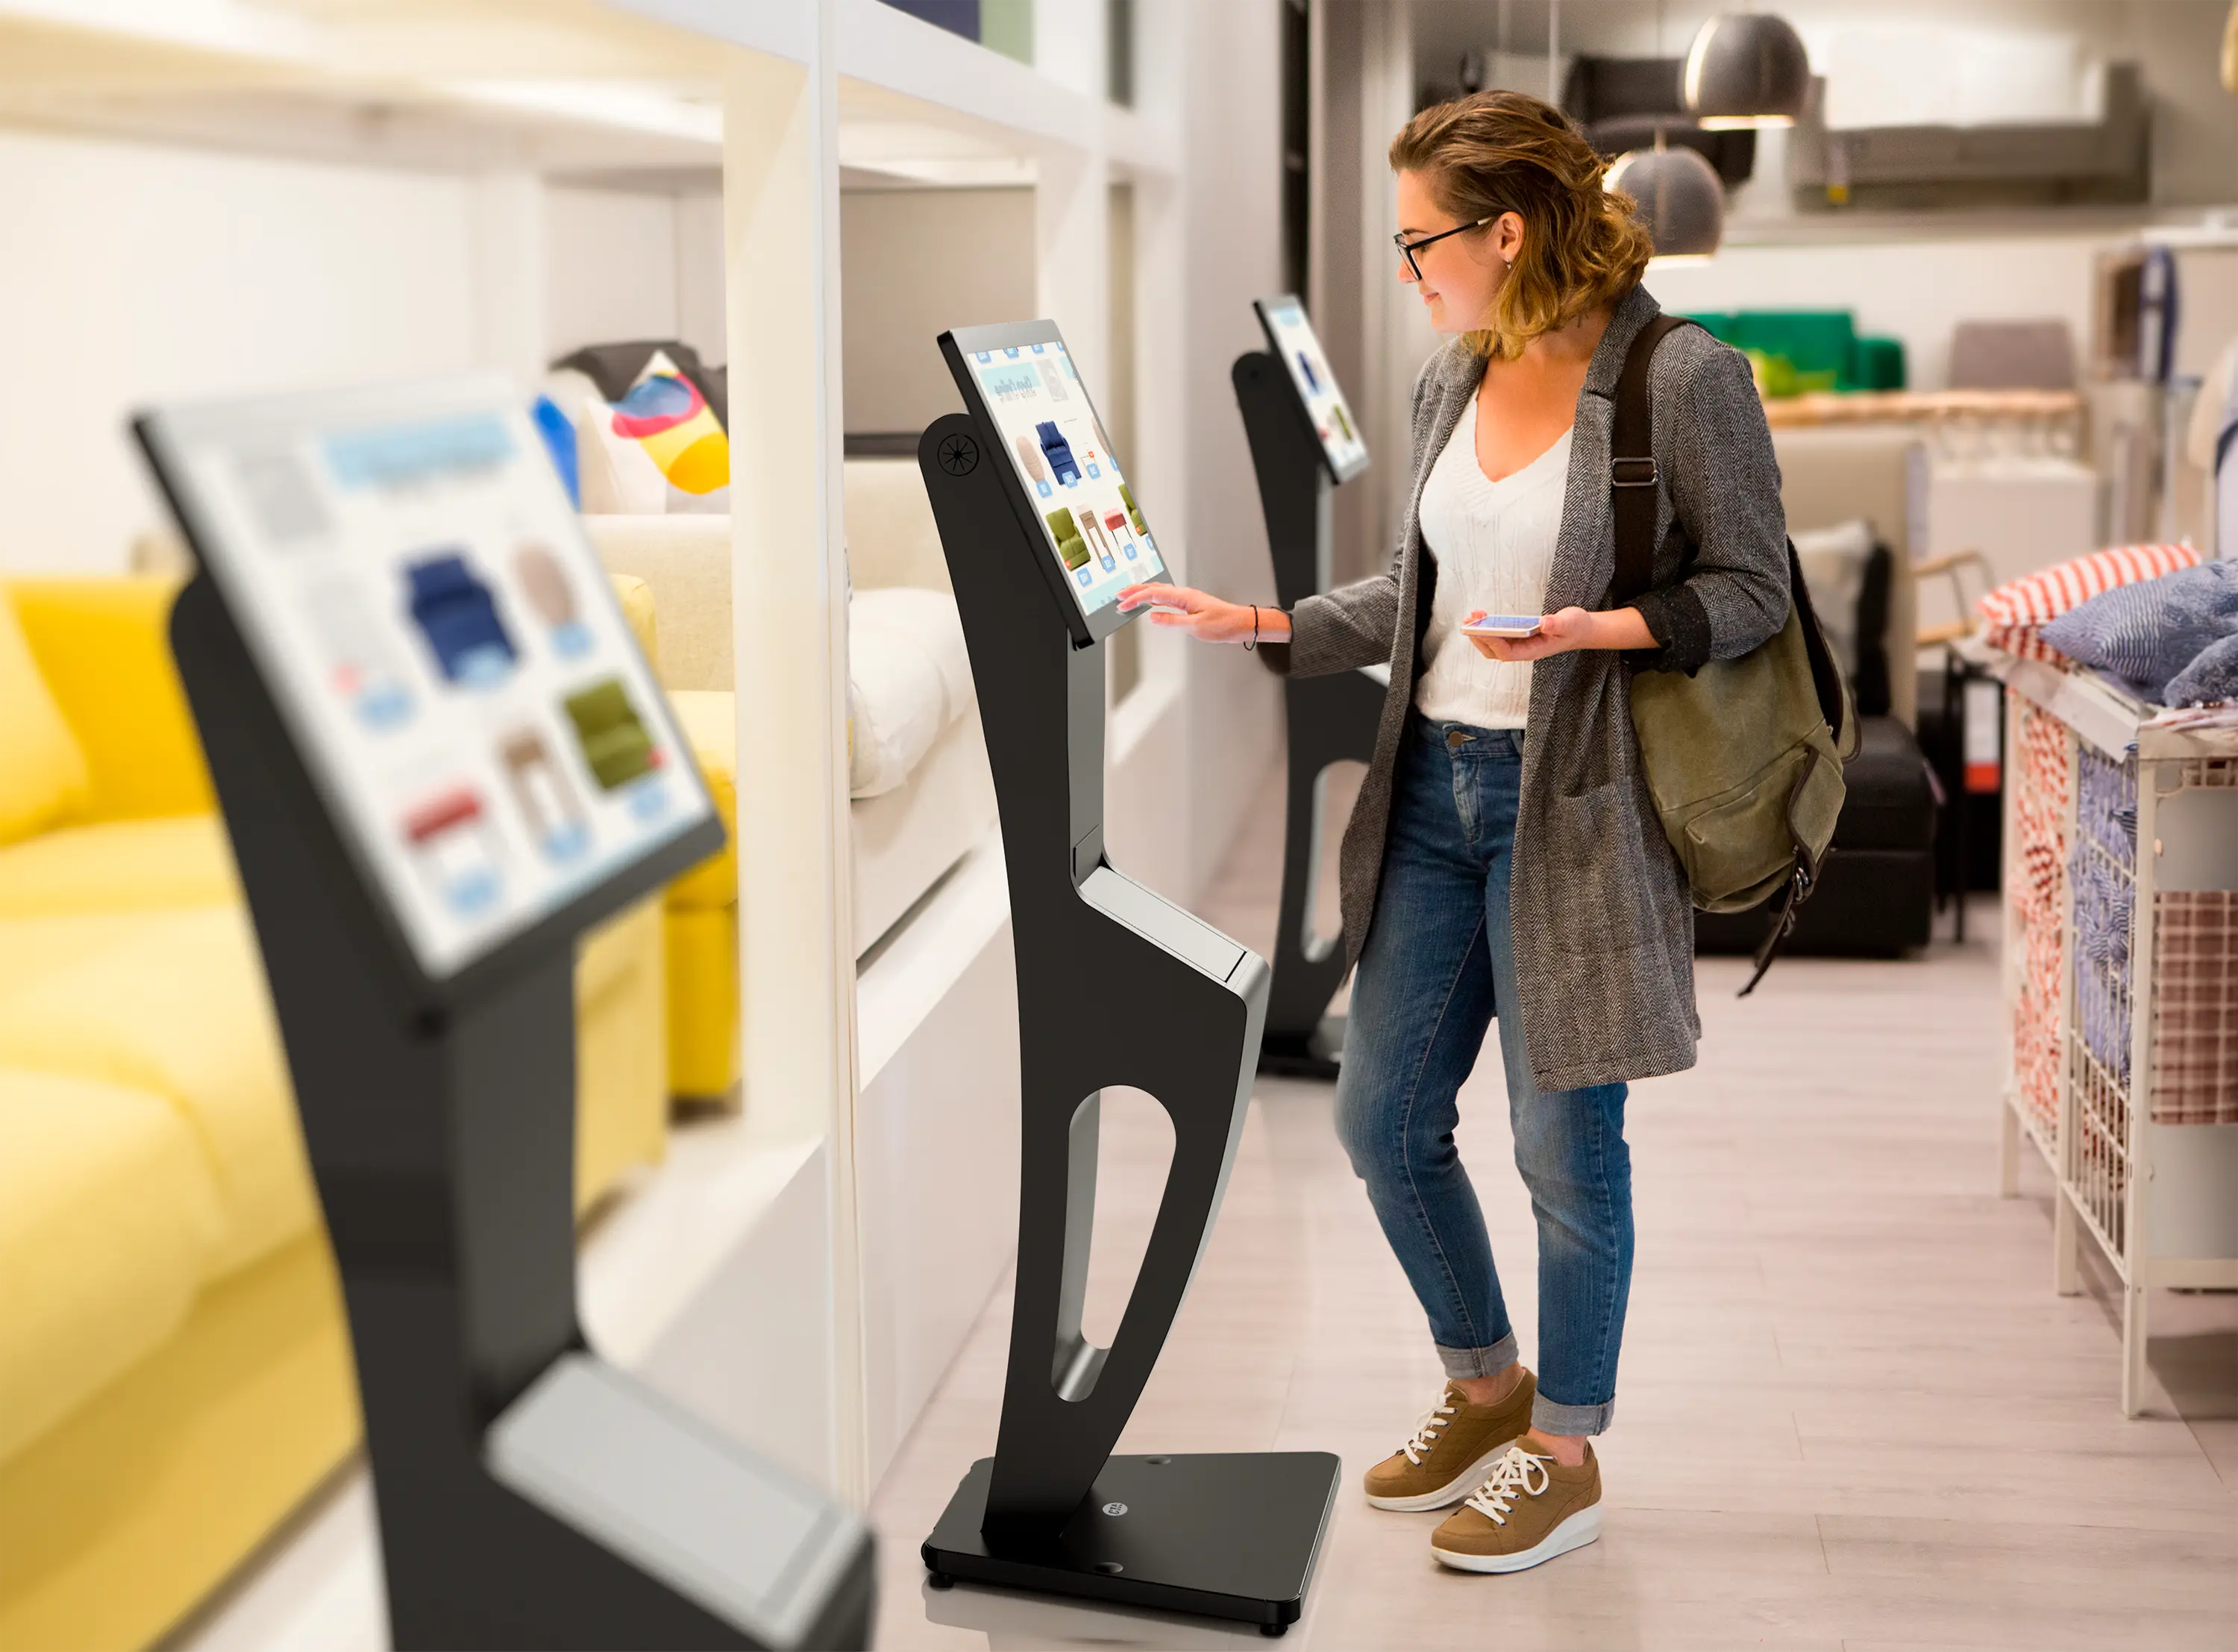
1851	1412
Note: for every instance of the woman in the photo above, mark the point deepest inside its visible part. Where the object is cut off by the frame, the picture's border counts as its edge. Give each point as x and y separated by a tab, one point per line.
1504	858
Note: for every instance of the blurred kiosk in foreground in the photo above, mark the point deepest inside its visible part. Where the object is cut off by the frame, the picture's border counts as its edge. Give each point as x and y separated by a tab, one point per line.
1303	443
441	757
1116	987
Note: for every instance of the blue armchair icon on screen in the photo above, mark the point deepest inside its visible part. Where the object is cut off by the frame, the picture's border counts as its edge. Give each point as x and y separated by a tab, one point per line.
458	616
1058	452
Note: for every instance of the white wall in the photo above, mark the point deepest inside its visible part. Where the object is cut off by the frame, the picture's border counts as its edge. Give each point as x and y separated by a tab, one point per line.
610	267
135	272
700	308
914	263
1915	289
633	264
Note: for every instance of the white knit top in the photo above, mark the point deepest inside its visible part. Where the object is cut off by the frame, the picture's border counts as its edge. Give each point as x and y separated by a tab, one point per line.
1494	542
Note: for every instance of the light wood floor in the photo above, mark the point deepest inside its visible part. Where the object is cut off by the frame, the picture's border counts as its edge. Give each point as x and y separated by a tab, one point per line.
1851	1412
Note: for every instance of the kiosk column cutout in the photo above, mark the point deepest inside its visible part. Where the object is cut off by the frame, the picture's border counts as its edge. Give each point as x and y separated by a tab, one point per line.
1332	719
1116	987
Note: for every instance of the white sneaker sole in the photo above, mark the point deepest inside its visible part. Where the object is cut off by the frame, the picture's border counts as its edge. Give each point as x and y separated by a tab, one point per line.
1576	1532
1471	1477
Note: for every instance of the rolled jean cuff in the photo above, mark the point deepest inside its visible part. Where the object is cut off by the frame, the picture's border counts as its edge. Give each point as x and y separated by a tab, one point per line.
1479	1362
1549	1417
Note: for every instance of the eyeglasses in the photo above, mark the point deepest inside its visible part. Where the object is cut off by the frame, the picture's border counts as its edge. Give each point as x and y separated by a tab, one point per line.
1408	248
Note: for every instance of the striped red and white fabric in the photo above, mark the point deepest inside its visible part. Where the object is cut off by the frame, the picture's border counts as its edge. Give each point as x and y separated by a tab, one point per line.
2037	905
2023	642
2033	599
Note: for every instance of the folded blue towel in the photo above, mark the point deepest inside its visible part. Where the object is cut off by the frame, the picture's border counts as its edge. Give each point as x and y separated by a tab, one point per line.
2148	632
2212	676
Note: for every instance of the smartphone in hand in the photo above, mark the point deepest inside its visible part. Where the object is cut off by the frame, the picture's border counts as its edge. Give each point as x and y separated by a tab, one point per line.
1508	625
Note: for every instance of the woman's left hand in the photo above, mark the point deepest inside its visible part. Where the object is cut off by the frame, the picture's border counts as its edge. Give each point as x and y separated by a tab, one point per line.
1558	633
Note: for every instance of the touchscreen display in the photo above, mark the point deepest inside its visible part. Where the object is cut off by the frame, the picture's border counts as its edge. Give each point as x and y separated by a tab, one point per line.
1088	513
445	646
1291	335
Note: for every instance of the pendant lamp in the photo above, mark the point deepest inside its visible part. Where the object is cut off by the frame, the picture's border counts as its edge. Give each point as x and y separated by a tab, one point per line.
1747	69
1681	202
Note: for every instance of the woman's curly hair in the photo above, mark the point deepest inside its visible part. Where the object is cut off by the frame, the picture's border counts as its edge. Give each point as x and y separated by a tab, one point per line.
1500	152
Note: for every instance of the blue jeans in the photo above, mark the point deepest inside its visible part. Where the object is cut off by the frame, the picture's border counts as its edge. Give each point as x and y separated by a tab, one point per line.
1438	960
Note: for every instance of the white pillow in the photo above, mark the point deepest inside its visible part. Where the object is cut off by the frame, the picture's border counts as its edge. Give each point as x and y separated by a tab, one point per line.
909	677
618	477
1834	567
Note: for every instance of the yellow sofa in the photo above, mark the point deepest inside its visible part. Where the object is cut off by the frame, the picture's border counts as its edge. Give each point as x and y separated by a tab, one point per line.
684	561
175	1368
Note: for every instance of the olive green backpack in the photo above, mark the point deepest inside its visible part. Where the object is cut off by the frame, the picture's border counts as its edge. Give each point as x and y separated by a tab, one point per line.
1744	759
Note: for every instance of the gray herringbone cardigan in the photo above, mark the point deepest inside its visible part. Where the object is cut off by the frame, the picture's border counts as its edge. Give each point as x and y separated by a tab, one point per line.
1603	928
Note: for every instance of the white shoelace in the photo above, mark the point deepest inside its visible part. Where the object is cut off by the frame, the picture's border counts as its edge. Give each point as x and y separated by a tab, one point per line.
1495	1498
1426	1429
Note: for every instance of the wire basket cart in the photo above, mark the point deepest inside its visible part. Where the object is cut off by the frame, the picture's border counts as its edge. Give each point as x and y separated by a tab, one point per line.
2120	986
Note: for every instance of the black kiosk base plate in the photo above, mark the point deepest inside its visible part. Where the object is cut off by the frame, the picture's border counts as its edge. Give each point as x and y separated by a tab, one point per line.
1231	1534
1319	1055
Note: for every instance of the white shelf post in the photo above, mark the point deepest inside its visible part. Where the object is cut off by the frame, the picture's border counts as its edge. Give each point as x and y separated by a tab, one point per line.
510	275
781	254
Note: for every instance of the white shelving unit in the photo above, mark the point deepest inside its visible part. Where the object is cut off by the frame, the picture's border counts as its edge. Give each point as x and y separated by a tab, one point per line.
746	1274
2093	1035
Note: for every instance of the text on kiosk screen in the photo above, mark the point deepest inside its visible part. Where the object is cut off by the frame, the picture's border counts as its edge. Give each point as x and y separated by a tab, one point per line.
455	662
1087	513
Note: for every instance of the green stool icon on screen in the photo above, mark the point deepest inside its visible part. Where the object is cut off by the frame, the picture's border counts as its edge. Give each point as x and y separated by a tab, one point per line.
612	736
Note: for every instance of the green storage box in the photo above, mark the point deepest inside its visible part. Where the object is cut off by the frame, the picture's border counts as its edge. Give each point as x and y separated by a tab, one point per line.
1801	350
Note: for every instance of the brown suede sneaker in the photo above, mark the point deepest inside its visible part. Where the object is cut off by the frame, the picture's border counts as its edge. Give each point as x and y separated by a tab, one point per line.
1530	1511
1453	1447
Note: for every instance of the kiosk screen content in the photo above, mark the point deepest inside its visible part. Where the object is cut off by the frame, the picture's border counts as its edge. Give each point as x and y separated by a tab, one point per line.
1291	336
1056	446
445	646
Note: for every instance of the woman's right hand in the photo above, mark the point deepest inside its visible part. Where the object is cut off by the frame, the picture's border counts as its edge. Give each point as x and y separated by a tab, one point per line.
1206	617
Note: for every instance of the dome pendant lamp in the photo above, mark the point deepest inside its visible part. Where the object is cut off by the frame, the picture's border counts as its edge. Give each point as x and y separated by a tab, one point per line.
1682	203
1747	69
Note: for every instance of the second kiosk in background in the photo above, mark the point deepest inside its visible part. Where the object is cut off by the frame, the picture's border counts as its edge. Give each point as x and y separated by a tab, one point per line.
1304	442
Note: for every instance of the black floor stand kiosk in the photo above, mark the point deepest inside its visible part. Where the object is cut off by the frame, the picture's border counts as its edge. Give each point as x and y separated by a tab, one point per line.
1304	442
441	758
1114	987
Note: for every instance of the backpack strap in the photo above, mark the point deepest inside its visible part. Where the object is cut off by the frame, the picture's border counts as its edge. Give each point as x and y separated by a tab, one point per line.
1633	475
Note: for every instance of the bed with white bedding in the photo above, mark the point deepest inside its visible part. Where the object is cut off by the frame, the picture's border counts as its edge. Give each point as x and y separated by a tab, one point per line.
922	793
916	766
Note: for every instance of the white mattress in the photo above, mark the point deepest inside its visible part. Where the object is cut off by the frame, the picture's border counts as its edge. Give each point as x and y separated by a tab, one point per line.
909	680
916	746
906	838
